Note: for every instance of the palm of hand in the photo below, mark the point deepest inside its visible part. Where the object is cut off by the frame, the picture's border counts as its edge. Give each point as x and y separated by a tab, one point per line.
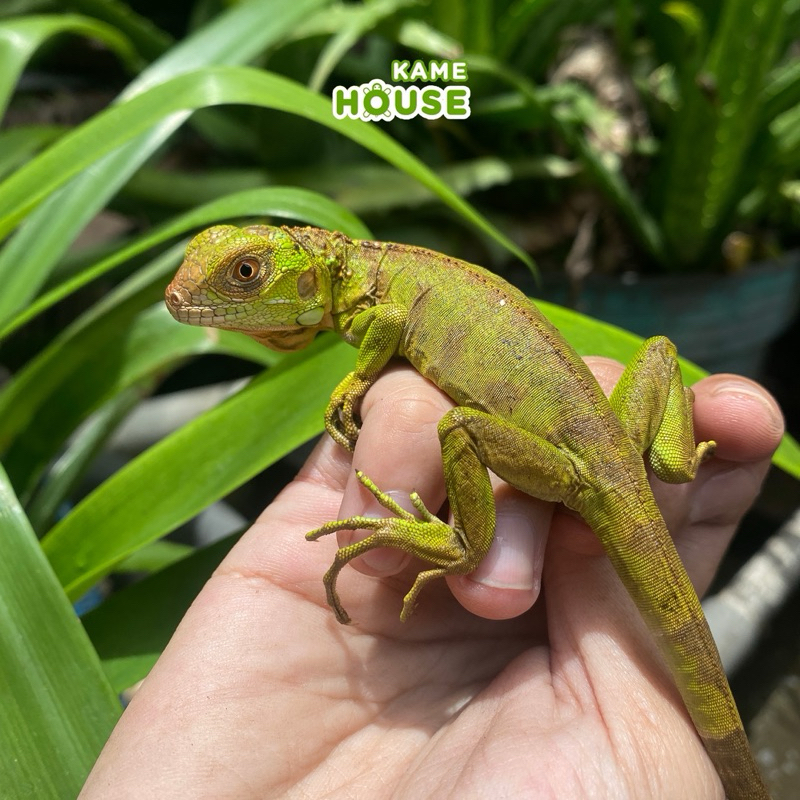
262	694
553	703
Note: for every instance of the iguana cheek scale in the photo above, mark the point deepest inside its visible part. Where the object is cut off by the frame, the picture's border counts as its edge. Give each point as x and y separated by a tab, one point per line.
528	409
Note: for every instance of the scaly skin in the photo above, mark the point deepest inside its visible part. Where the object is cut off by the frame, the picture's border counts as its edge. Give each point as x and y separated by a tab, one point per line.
528	409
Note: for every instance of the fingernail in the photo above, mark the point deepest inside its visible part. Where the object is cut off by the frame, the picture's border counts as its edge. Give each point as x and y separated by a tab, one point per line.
513	561
743	388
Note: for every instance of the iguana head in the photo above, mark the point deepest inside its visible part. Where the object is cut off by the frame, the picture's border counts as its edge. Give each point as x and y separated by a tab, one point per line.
258	280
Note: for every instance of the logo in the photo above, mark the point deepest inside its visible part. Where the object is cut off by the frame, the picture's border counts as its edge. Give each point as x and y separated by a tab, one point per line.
377	101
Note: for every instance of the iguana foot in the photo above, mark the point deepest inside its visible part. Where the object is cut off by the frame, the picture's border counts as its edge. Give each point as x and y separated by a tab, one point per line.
425	537
341	417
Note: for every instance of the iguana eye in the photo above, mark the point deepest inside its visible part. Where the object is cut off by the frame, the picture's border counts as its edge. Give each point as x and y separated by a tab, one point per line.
245	269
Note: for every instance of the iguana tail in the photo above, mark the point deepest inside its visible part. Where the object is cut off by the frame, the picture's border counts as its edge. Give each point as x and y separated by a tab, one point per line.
641	549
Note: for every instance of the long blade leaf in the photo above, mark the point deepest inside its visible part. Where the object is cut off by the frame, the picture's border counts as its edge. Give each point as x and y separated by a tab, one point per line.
21	37
233	37
287	202
57	708
199	463
213	86
151	346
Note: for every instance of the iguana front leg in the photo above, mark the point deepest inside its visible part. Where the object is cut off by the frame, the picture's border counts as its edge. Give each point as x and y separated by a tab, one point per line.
379	329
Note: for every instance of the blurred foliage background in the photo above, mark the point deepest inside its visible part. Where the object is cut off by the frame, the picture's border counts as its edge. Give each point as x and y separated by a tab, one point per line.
607	138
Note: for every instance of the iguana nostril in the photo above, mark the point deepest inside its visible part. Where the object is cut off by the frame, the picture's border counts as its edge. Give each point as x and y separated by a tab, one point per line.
173	297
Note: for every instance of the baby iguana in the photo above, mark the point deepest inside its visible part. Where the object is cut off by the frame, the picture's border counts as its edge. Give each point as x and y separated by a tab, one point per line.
528	409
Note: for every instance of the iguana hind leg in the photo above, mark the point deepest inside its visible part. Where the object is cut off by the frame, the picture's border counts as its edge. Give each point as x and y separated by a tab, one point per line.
655	409
471	441
426	537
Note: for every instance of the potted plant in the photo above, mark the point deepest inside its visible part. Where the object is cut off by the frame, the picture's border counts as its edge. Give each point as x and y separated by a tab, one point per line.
684	119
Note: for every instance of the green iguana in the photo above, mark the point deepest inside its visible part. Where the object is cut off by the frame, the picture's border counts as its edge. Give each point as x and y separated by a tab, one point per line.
528	409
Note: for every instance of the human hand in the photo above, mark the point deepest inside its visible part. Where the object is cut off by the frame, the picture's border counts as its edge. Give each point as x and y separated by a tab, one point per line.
554	690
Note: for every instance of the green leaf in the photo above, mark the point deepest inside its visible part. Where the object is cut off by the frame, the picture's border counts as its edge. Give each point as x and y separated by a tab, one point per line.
787	456
791	191
186	189
782	90
516	23
17	145
706	155
372	188
149	40
132	627
418	35
15	8
538	43
363	188
233	37
610	180
79	452
212	86
472	24
785	132
624	21
689	17
201	462
21	37
148	347
58	708
156	556
32	387
363	19
285	202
